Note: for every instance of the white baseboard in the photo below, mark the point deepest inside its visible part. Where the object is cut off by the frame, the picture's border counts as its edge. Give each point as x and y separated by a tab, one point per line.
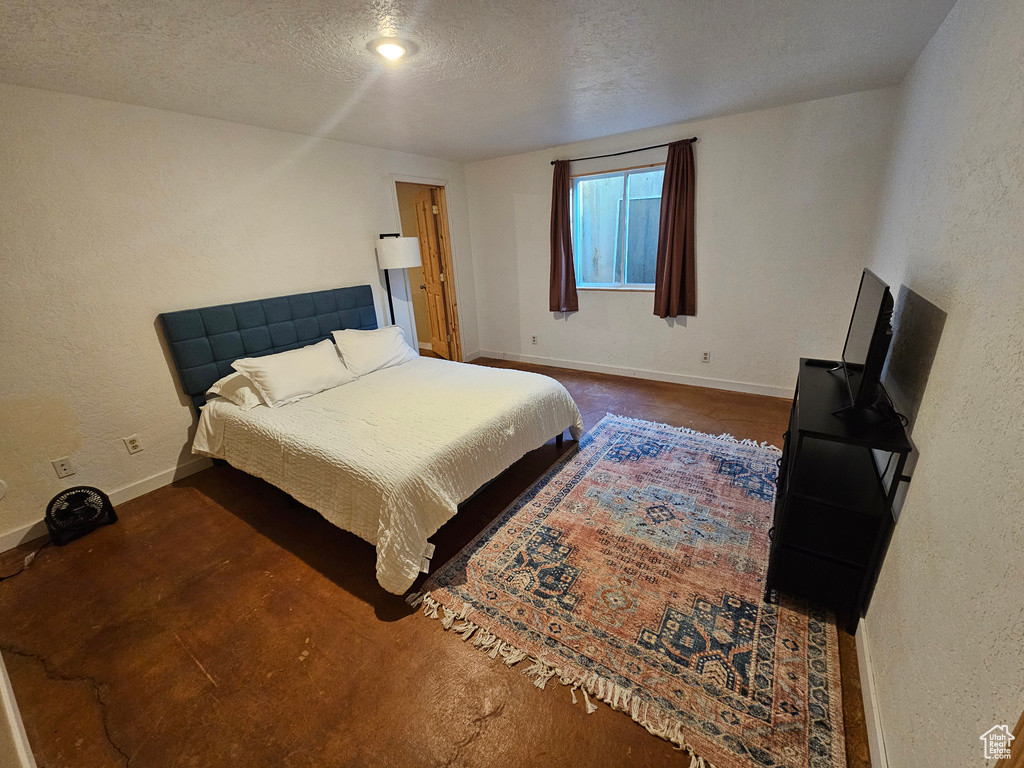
11	718
11	539
425	345
159	480
876	740
640	373
119	496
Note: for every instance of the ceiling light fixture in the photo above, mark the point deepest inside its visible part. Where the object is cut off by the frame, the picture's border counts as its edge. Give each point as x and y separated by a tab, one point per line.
392	48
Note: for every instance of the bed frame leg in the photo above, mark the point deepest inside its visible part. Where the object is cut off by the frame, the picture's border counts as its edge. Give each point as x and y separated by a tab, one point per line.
558	441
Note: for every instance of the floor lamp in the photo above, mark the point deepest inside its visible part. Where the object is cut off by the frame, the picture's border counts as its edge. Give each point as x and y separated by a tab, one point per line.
397	252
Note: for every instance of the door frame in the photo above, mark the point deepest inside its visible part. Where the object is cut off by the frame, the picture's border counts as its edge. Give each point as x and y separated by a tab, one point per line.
455	283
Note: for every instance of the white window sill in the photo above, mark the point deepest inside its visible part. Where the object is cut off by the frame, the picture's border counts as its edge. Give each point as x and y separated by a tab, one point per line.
616	288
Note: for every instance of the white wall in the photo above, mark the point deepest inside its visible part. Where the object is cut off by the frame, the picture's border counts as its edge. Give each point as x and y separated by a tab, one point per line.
15	751
945	622
111	214
786	205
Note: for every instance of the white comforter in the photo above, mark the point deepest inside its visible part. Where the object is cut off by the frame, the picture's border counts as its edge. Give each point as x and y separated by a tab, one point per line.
390	455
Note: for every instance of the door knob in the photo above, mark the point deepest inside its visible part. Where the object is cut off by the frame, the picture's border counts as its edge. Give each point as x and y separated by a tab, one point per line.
423	287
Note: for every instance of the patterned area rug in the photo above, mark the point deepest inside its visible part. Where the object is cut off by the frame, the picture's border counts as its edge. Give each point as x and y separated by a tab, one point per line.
633	572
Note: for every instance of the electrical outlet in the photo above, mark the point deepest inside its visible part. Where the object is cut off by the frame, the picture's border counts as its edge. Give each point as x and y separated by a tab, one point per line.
132	444
533	339
63	467
706	357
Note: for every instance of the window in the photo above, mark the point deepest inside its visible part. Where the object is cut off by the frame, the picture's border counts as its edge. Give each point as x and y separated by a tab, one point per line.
615	219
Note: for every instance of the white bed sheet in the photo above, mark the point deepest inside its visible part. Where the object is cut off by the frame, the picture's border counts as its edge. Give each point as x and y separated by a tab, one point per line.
391	455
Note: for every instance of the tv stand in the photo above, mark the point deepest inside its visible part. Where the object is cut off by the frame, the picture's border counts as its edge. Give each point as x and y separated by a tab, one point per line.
833	509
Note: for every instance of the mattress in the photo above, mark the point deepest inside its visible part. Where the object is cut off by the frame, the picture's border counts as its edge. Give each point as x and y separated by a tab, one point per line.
391	455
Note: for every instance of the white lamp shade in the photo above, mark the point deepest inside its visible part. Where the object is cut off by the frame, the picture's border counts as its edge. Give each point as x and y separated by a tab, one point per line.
398	253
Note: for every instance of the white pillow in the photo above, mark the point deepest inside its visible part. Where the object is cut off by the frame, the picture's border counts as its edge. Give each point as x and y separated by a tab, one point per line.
366	351
237	388
289	376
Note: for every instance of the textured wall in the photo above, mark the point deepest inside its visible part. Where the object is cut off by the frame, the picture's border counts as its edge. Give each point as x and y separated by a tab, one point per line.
945	623
111	214
14	752
786	204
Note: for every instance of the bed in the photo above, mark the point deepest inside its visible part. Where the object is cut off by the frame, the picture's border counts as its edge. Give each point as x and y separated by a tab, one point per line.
388	456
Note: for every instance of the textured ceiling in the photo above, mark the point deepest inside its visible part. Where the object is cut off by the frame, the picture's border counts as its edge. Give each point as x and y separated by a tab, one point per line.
491	78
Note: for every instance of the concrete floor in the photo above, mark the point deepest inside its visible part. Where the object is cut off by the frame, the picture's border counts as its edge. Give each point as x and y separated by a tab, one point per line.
219	622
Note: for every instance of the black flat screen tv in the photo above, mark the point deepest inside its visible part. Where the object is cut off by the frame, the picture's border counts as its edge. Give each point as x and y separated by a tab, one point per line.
867	341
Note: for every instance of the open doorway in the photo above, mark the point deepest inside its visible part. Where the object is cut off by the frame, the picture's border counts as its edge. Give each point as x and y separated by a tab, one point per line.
423	213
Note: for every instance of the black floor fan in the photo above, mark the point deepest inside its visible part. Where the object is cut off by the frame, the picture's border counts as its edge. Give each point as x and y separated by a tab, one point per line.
76	512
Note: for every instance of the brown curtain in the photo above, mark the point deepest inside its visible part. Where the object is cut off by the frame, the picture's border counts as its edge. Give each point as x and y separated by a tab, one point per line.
562	293
675	284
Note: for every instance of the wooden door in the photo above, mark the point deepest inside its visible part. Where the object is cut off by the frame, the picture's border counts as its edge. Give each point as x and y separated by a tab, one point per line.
433	275
448	275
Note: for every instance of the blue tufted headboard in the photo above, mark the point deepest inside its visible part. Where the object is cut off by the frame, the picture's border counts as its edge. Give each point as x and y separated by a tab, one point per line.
204	342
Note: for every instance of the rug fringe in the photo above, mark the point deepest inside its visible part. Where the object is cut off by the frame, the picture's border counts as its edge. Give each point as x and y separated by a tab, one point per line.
449	617
652	718
687	431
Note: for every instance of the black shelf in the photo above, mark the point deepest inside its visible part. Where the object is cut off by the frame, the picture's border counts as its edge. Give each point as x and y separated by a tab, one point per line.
838	474
833	513
822	392
830	532
835	585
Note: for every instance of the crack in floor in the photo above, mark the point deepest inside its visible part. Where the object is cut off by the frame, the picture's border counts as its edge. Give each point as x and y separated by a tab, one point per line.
479	723
97	691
